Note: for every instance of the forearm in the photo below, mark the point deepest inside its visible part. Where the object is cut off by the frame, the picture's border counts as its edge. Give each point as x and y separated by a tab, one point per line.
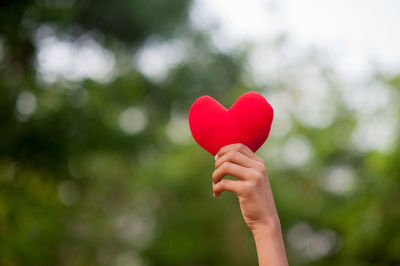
269	244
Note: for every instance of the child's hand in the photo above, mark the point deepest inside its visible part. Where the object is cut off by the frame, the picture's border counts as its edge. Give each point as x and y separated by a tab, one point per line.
252	187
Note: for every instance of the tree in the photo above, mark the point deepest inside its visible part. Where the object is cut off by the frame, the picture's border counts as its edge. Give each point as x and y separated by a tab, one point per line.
97	166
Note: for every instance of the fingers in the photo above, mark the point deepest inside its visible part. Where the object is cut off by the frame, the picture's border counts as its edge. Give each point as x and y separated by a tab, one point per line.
228	185
236	160
239	147
231	169
240	159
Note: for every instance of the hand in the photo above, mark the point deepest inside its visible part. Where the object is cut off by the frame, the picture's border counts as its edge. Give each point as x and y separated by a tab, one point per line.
255	198
252	187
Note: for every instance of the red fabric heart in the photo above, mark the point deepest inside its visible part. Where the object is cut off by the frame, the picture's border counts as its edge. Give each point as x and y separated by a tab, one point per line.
248	121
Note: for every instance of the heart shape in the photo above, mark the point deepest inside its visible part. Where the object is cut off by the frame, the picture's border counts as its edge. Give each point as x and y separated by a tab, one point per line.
248	121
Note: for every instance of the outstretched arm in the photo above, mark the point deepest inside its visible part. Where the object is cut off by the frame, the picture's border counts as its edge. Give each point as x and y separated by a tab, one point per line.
255	198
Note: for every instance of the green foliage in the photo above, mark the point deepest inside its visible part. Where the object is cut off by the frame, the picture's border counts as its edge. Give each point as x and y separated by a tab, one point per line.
79	186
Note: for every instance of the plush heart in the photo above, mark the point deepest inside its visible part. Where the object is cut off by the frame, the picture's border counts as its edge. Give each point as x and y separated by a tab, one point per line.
248	121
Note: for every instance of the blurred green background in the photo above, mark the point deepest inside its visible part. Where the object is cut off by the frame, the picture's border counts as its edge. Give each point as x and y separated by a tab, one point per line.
98	167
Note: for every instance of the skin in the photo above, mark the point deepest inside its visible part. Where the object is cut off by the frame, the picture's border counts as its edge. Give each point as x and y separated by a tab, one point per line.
255	199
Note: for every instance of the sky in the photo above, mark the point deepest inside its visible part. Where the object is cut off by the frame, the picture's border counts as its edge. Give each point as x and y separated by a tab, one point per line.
355	32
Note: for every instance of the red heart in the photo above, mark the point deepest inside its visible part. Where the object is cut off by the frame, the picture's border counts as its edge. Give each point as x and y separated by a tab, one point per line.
248	121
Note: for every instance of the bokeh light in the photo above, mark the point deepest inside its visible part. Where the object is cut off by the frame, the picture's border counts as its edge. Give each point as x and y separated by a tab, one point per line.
132	120
97	162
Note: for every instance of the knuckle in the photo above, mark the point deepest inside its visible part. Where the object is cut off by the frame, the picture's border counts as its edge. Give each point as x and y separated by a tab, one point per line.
258	175
236	147
241	147
247	187
263	169
228	155
222	183
220	151
233	155
220	186
215	175
225	166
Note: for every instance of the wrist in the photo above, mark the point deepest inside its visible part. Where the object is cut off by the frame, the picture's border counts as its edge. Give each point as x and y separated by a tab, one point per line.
271	225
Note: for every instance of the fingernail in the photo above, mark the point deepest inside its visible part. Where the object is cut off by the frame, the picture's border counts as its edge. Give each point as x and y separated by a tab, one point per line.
214	194
216	157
